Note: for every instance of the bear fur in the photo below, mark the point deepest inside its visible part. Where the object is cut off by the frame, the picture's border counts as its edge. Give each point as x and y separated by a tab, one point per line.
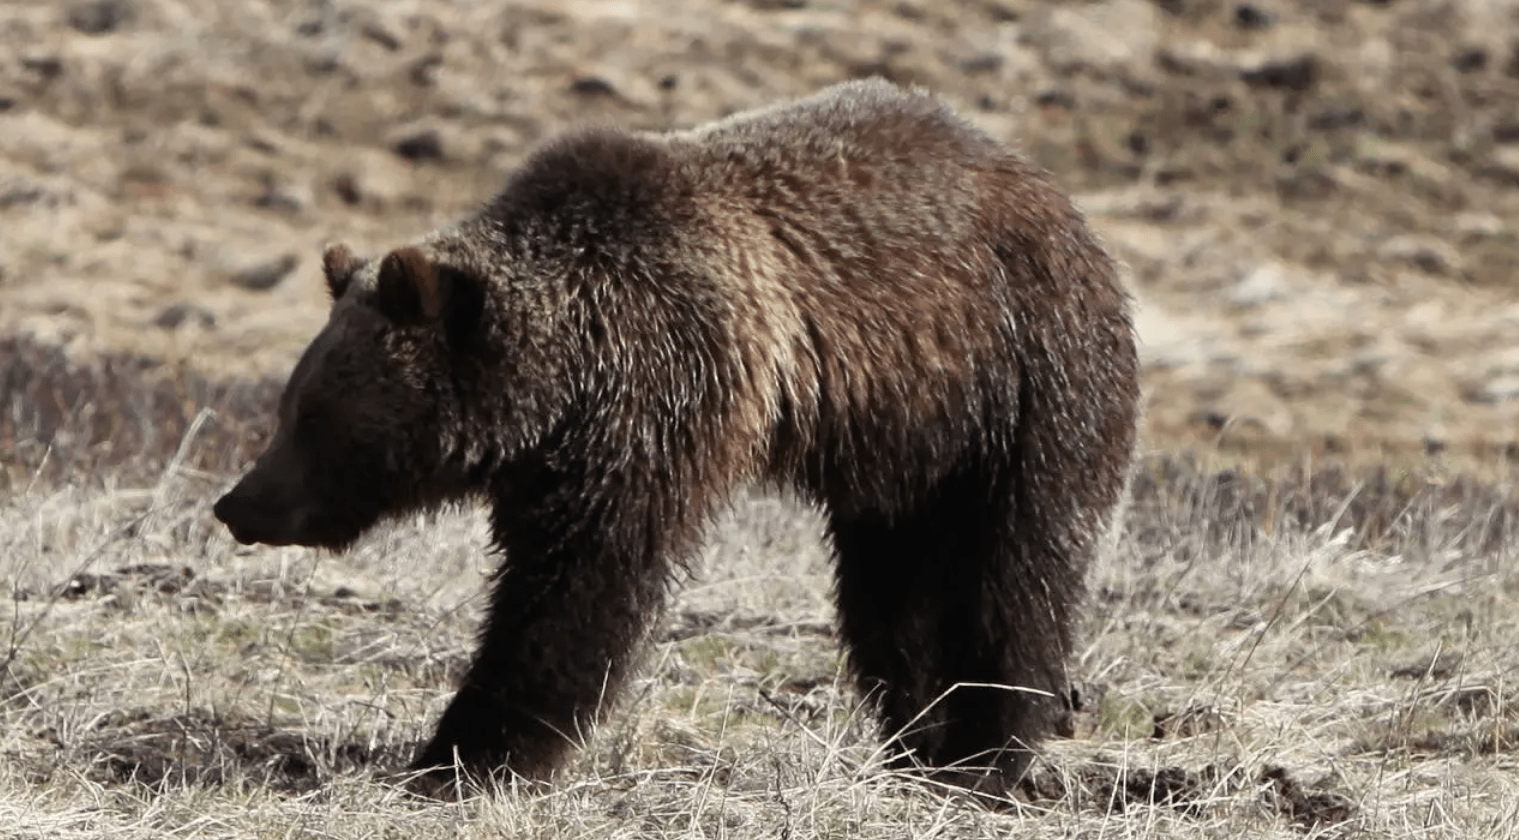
857	295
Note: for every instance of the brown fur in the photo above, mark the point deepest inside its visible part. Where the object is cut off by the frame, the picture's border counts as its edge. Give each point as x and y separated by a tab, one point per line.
857	295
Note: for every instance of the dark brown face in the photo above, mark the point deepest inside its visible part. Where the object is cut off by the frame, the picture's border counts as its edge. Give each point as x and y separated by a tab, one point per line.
361	422
324	478
275	504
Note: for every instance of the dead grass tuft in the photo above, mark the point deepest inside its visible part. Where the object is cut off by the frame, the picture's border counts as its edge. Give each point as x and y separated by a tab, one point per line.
1406	511
201	748
126	414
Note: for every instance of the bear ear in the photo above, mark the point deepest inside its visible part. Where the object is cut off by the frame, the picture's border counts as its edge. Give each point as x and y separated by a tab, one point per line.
407	289
412	290
338	265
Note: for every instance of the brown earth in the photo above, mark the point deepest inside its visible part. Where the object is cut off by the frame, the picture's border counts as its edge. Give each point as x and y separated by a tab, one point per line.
1318	201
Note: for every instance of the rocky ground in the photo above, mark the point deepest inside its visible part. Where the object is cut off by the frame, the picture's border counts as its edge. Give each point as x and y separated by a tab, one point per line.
1317	201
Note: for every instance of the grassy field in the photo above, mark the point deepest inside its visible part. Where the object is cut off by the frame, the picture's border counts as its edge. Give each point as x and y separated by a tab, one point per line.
1309	651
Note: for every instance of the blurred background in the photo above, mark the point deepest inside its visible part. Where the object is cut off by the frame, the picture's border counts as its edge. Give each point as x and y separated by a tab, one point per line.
1316	201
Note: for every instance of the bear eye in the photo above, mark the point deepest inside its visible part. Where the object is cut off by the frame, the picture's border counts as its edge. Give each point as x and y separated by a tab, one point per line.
311	421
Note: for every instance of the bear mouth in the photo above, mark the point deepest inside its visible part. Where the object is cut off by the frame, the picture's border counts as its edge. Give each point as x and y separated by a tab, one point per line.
251	524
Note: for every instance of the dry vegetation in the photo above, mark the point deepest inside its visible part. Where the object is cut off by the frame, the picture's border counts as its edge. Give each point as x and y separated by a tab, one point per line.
1311	652
1306	629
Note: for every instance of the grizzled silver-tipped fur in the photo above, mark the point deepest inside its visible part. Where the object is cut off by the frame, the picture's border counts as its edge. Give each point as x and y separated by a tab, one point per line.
858	295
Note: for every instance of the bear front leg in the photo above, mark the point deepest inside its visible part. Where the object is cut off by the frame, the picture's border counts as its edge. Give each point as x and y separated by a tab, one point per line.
563	622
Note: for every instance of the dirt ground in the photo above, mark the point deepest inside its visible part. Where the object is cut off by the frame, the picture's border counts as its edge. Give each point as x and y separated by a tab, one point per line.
1317	201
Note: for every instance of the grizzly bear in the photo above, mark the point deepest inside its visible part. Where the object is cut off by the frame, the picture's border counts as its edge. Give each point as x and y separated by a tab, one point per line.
857	295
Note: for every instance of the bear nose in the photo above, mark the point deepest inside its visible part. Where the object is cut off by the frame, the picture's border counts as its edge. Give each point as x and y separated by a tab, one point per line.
232	512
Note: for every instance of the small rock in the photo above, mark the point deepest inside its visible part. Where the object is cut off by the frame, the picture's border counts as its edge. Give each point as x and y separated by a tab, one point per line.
1209	418
910	10
323	59
1499	389
1298	72
421	145
1426	253
1305	184
986	63
47	65
592	86
177	314
346	185
1004	11
1332	116
1251	16
424	71
289	200
1191	57
266	142
380	34
1052	98
1469	60
263	276
99	17
310	27
1396	159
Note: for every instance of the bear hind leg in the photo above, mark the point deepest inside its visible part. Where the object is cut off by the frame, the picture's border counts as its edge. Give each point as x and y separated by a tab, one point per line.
952	634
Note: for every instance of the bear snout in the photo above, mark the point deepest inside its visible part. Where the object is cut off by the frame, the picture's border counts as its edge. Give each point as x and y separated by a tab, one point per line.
260	511
250	521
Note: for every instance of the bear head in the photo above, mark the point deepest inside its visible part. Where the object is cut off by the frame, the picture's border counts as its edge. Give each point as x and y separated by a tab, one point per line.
371	420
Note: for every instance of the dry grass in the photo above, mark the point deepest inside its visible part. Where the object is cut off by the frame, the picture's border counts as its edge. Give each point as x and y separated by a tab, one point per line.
129	415
1320	652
